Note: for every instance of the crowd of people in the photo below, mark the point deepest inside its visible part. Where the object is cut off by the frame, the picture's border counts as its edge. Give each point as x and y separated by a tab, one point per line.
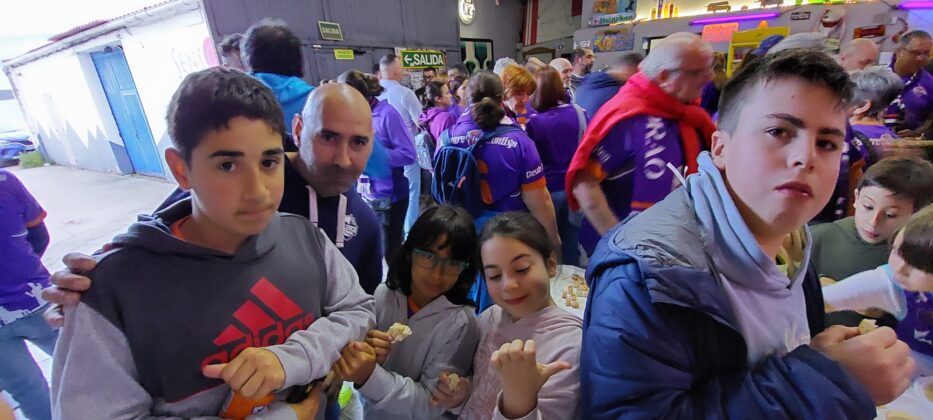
692	198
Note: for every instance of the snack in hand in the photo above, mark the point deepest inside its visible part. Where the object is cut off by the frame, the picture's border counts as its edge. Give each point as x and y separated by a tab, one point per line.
866	326
399	332
454	381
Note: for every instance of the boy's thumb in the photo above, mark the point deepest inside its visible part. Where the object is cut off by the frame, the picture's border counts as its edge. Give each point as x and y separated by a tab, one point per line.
213	371
552	369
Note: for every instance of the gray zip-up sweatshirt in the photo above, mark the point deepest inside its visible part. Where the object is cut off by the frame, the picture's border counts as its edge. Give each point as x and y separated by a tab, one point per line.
160	309
443	339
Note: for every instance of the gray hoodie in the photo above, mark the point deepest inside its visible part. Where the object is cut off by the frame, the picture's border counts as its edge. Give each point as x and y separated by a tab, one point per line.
443	339
161	308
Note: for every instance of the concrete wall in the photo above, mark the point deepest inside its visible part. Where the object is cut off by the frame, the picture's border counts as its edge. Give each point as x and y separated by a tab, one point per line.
65	106
857	15
555	20
502	24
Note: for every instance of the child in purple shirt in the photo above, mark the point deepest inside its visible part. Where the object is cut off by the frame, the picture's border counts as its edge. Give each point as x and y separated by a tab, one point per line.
439	112
23	240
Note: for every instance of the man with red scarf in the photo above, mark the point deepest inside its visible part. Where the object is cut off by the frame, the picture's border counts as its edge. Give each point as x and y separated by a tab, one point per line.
621	165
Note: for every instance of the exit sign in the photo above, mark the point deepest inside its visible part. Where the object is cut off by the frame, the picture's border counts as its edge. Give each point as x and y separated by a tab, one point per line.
330	31
419	59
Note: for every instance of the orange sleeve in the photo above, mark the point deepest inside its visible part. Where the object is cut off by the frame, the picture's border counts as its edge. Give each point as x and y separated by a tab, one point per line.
595	169
35	222
534	185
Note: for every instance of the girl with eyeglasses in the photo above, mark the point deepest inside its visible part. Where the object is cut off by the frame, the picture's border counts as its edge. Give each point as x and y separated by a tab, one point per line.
426	289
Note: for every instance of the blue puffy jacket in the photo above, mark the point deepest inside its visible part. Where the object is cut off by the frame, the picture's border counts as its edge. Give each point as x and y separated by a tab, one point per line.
660	340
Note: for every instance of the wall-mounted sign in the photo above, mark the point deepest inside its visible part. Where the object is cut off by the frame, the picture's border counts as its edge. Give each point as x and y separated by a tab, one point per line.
330	31
800	15
721	32
419	59
603	20
466	10
614	40
869	31
582	44
343	54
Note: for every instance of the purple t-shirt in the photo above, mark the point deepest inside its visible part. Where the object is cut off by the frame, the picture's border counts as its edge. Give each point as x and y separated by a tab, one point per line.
398	149
509	164
22	275
631	161
873	132
556	134
437	120
917	328
916	100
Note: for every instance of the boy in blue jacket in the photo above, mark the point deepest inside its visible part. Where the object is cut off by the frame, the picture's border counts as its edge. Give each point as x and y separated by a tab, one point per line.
704	306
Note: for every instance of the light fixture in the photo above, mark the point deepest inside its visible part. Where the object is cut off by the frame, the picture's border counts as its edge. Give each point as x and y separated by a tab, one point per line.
916	5
735	18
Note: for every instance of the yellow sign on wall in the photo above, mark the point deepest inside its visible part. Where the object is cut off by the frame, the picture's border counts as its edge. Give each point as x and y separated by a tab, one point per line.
343	54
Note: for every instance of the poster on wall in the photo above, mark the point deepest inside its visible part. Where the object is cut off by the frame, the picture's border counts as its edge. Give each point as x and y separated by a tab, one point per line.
476	54
614	40
607	12
832	26
875	31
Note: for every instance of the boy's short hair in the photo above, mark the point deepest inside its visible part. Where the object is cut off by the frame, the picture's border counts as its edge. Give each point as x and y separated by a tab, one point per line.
877	84
917	245
908	178
811	66
269	46
208	99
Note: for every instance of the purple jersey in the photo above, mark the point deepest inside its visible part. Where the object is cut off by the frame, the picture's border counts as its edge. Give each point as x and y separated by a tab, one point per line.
631	162
915	105
509	164
437	120
873	132
917	328
556	133
399	150
22	275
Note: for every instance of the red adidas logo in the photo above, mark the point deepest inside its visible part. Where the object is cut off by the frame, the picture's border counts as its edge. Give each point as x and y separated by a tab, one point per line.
266	319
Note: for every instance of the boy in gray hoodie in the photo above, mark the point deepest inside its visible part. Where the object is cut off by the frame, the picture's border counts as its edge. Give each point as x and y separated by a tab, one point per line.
218	294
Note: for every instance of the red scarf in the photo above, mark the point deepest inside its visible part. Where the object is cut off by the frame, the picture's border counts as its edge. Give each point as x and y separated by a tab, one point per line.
641	96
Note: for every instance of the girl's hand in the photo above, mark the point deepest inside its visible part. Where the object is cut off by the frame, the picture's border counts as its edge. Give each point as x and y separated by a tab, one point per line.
449	398
381	342
357	362
522	376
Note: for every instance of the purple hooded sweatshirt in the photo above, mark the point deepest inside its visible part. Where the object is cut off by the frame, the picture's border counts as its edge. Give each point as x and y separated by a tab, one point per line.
510	164
556	133
437	120
632	163
873	132
399	149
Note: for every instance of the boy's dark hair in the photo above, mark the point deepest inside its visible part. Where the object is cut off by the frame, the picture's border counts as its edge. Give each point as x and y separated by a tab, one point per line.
456	82
522	227
269	46
431	69
366	84
485	89
230	44
908	178
550	92
208	99
455	226
917	245
811	66
432	91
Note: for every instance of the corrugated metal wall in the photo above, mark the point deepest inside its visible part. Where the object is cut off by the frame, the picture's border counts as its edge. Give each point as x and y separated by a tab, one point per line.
371	27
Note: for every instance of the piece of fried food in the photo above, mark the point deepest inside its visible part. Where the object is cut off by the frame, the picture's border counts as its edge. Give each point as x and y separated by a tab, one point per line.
399	332
866	326
454	380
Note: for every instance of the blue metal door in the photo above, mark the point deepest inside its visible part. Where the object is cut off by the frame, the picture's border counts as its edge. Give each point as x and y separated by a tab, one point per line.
127	110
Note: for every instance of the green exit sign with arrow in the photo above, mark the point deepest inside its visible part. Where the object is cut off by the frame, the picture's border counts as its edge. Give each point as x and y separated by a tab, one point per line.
419	59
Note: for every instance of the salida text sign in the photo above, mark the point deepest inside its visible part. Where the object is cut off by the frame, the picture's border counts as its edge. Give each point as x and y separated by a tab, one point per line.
419	59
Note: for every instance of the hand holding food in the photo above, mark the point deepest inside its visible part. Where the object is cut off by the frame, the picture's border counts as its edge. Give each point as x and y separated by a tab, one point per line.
399	332
522	376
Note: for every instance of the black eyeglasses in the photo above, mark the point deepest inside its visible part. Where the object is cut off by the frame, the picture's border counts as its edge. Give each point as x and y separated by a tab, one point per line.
430	260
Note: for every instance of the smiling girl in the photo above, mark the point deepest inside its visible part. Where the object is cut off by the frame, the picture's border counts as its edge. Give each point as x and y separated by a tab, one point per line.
526	363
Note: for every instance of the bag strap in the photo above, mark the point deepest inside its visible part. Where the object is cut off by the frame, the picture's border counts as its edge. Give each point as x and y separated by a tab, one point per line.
582	118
